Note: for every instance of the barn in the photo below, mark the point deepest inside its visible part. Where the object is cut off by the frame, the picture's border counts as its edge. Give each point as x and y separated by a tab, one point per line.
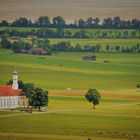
89	57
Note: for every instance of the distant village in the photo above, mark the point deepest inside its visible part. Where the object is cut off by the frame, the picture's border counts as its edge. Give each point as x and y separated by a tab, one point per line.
41	51
33	50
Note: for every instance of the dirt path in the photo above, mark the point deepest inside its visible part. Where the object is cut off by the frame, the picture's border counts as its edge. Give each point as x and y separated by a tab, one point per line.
119	105
73	109
11	115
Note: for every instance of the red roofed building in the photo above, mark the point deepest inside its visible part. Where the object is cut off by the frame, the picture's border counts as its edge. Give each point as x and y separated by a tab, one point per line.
32	37
8	91
12	97
37	51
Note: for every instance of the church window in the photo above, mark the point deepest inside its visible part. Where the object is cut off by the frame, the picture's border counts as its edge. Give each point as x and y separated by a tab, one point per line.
0	102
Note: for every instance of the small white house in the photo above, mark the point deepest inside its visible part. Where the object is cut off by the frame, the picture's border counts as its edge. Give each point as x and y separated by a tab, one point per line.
11	96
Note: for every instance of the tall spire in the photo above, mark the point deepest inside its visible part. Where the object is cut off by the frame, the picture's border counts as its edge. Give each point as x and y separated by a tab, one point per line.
15	80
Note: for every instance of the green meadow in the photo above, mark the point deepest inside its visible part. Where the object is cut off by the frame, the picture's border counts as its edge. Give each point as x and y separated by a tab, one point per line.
121	72
89	32
102	42
91	42
73	30
71	117
110	40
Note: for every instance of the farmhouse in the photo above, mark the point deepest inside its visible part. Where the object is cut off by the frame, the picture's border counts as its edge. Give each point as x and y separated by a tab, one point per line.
15	37
89	57
37	51
11	96
23	51
32	37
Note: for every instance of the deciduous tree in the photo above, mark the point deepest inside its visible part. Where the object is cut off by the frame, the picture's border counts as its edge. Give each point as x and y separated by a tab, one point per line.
38	98
93	96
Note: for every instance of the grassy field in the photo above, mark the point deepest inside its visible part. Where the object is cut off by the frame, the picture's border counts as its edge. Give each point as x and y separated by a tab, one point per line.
72	117
102	42
90	32
91	42
122	71
110	40
69	115
73	30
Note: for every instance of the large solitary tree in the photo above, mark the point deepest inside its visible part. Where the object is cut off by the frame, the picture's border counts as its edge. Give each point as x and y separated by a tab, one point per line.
38	98
93	96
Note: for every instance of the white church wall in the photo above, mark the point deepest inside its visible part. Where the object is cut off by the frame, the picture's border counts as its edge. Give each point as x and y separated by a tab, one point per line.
9	102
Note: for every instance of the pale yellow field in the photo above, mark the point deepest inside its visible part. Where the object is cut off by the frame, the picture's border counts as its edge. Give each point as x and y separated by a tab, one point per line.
70	10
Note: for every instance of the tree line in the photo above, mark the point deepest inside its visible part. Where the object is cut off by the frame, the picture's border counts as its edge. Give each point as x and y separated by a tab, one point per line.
65	46
59	22
63	33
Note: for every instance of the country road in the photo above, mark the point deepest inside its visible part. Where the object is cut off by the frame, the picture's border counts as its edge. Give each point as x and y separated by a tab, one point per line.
73	109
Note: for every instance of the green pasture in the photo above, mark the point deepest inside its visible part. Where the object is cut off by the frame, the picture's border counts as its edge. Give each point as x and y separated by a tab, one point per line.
3	113
91	33
102	42
91	42
72	117
73	30
122	71
65	122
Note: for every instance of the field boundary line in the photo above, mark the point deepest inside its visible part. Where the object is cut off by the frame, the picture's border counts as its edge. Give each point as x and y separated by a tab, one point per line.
11	115
118	105
71	109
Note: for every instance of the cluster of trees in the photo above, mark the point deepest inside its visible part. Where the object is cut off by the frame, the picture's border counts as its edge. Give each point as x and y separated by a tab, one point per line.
134	48
37	96
64	46
16	46
59	22
61	33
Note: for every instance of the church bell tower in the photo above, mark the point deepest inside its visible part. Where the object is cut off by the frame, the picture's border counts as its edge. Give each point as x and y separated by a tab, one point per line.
15	80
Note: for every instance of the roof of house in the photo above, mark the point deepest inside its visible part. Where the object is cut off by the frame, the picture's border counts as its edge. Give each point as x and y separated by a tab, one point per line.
32	37
15	37
7	90
38	50
90	56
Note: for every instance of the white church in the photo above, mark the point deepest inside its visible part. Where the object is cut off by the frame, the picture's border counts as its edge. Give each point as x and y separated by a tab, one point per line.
11	96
